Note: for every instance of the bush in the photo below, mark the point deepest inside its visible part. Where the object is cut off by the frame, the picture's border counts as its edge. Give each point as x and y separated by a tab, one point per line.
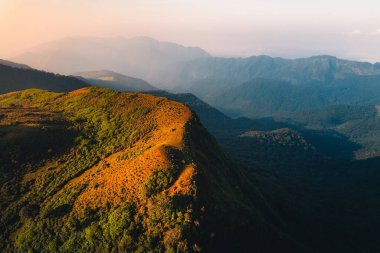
29	211
157	182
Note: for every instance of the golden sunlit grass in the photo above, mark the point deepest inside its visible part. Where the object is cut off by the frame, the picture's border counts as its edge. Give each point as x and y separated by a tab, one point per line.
95	170
128	151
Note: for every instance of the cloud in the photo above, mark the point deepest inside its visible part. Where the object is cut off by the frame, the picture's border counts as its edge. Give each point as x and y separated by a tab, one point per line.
356	32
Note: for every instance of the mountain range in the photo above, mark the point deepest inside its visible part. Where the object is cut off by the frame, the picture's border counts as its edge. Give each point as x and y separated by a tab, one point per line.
258	86
140	57
263	86
302	179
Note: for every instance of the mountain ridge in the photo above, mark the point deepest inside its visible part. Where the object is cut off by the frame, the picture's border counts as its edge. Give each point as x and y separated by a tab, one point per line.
14	64
14	78
136	171
112	80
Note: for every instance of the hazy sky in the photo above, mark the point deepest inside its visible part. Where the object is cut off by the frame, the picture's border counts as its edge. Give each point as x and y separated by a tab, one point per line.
288	28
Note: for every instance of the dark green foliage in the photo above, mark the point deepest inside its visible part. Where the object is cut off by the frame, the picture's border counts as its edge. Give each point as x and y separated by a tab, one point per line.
29	211
157	182
59	211
12	79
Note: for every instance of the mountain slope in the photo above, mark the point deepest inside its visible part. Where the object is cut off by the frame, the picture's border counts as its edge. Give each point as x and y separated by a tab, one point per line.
14	65
140	57
12	79
307	169
115	81
132	172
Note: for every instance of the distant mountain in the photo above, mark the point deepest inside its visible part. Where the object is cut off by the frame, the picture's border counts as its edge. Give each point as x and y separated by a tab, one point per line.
14	65
15	78
316	69
115	81
264	86
266	97
141	57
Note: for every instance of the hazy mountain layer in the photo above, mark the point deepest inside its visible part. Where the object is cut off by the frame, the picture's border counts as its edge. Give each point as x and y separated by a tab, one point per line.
266	97
140	57
264	86
316	69
115	81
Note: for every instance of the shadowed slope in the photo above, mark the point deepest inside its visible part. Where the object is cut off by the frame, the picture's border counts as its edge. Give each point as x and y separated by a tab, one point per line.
14	78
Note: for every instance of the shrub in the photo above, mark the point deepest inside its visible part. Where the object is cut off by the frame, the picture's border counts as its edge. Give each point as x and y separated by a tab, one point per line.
157	182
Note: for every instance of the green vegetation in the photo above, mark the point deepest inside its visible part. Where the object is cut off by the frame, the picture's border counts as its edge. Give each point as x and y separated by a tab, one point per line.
102	123
97	170
157	182
15	77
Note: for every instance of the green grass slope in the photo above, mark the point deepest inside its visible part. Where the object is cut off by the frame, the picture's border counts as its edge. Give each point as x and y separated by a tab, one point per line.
95	170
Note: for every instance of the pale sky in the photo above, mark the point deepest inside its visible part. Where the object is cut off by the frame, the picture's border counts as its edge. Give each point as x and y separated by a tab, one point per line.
288	28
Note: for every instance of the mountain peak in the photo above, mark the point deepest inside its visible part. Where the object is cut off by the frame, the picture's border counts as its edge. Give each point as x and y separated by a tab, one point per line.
139	171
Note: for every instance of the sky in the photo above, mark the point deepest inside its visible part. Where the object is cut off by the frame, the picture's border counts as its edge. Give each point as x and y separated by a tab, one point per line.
287	28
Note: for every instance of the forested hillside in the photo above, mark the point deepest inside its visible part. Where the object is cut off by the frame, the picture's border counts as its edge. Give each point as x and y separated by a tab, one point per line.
15	78
97	170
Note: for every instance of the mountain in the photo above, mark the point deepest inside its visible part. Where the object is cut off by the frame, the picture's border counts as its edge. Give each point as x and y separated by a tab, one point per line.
263	86
98	170
14	78
268	97
316	69
141	57
115	81
14	65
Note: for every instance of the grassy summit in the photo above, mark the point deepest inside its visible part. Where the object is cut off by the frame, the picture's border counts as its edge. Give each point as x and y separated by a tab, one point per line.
98	170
